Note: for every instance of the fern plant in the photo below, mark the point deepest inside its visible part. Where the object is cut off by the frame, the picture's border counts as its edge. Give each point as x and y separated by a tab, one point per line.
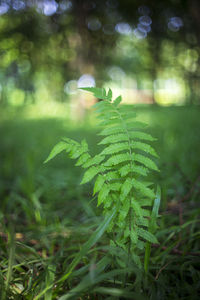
119	171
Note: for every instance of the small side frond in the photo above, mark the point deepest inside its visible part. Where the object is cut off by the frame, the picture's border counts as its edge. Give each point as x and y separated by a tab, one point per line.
58	148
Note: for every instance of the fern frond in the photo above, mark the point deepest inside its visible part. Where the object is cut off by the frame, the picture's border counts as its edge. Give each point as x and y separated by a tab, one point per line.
120	137
98	184
58	148
126	188
117	101
109	122
117	159
105	189
133	125
143	147
147	162
93	161
133	168
141	187
112	130
146	235
115	148
134	236
98	92
124	211
83	159
120	169
112	175
136	207
91	173
141	136
142	222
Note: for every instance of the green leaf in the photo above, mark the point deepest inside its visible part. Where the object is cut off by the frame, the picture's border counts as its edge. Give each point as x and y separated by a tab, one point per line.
133	235
83	159
96	160
115	148
142	222
109	94
152	227
70	141
110	122
124	211
119	293
146	235
147	162
76	151
98	92
141	135
103	193
154	214
91	173
144	147
137	260
126	188
130	124
126	169
141	187
117	159
84	145
49	279
115	186
114	138
112	175
136	207
88	245
58	148
98	184
107	113
117	100
112	130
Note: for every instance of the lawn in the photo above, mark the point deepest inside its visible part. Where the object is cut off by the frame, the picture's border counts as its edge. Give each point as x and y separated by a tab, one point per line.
47	216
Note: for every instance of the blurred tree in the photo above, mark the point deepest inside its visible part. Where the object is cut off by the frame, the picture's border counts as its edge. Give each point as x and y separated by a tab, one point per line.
48	42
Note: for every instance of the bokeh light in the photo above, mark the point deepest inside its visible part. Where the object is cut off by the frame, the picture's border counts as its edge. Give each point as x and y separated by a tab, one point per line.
86	80
4	7
94	24
71	87
47	7
175	23
123	28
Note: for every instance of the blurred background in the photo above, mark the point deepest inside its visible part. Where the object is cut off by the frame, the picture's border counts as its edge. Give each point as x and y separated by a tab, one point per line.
147	51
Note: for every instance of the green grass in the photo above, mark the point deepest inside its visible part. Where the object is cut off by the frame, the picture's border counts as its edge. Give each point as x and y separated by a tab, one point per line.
48	245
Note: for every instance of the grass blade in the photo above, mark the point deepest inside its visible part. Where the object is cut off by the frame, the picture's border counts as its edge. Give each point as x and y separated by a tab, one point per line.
152	227
92	240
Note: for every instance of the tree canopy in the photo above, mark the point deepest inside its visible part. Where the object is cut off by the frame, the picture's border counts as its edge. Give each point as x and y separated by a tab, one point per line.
55	43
